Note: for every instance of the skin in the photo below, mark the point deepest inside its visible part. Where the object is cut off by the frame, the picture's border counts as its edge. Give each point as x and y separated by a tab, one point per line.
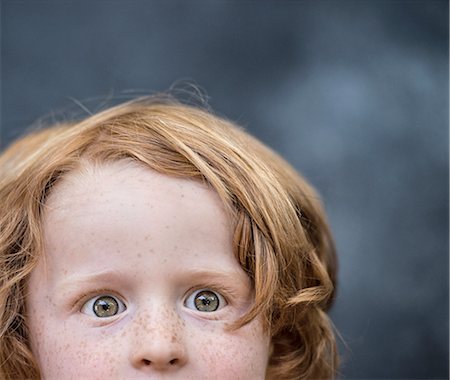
151	242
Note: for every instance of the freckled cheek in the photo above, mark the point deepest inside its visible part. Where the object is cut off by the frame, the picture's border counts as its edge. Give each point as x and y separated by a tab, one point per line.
240	354
64	353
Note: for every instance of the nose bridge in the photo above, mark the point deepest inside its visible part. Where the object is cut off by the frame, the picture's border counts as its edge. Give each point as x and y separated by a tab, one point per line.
159	339
159	322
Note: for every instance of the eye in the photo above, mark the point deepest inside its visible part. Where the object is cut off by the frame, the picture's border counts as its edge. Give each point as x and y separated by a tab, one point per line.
103	306
205	300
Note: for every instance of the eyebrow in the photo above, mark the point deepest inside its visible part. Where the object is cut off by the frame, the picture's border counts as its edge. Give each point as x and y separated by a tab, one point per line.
206	274
211	273
236	283
75	280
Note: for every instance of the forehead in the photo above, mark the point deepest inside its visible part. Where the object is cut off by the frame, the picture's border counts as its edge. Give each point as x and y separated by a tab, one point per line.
117	205
118	182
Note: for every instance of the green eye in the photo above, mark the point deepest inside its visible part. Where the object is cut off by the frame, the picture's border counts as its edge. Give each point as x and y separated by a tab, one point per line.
103	306
205	301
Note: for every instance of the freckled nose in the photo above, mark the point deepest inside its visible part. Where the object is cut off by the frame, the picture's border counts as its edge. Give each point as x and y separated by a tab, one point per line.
159	344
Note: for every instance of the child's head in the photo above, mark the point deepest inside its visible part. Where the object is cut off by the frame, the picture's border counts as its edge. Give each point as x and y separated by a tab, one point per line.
156	238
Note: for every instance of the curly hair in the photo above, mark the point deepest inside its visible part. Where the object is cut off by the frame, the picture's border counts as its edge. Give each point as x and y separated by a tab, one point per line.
281	237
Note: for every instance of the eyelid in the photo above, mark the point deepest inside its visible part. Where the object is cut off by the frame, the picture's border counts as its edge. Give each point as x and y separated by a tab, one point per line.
223	298
79	301
227	291
87	306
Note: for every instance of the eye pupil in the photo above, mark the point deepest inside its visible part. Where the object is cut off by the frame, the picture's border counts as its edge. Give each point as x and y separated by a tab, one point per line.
206	301
105	306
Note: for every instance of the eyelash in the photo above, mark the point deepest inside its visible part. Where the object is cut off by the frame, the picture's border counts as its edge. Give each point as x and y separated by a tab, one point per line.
225	292
192	303
92	308
228	293
83	298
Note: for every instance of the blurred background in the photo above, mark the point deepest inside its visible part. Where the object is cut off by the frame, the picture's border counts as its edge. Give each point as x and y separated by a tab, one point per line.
353	93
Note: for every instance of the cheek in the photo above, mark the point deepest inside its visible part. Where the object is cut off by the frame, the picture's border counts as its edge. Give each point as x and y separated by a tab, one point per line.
65	351
62	353
241	354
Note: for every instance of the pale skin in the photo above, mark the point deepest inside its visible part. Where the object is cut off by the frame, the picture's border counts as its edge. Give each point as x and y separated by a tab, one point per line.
138	280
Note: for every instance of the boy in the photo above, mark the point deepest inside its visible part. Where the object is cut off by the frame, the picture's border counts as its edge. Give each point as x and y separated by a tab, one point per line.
155	239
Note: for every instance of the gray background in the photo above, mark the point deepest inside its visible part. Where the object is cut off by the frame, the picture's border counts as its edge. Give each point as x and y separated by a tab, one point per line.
353	93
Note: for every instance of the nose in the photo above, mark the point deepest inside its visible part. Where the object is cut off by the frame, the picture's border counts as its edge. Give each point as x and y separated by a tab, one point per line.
159	343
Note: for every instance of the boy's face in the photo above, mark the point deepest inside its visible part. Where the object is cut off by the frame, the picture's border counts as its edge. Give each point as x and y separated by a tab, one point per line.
139	280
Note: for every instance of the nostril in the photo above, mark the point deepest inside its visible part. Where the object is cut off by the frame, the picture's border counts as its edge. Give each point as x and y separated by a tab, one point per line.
149	362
